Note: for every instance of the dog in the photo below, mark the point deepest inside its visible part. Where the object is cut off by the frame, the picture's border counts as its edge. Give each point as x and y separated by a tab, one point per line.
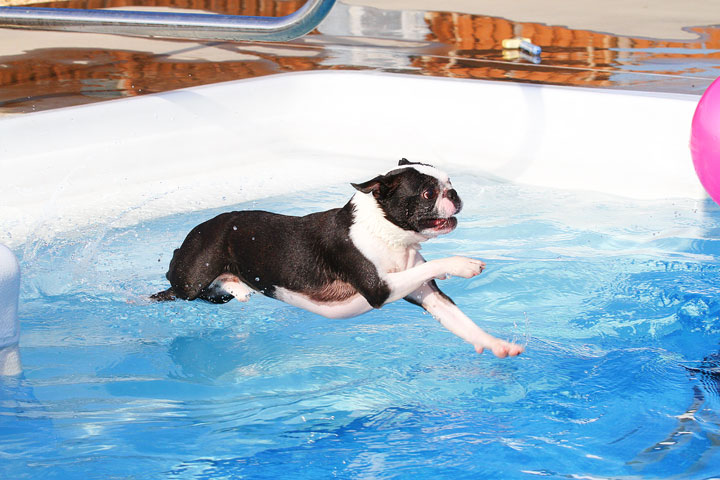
338	263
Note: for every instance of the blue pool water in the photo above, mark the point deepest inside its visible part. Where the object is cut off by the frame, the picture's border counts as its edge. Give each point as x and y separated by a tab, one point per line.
617	302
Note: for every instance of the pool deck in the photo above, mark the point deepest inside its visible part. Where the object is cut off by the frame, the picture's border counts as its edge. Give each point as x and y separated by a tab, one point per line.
673	47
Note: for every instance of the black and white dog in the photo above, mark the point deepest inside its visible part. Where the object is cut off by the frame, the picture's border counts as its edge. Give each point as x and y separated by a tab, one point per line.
339	263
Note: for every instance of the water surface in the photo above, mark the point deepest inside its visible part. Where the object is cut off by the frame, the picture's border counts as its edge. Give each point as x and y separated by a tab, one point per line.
617	303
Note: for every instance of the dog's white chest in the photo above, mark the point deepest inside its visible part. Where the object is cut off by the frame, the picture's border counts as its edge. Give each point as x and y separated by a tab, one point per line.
387	246
396	260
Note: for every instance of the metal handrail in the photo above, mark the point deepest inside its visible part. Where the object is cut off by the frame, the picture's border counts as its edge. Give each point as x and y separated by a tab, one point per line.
161	24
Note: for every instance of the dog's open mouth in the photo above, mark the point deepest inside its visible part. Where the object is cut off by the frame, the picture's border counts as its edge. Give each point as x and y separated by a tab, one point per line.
439	224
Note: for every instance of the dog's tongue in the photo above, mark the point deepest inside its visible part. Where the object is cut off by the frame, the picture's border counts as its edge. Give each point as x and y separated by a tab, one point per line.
439	222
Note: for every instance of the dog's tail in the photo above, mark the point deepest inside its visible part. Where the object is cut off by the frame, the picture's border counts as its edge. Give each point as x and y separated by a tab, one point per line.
164	296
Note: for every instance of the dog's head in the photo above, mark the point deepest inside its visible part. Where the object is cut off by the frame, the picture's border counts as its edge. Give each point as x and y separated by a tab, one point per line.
415	197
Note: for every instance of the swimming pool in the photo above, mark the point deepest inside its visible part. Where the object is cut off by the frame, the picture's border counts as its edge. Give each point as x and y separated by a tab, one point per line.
615	297
617	306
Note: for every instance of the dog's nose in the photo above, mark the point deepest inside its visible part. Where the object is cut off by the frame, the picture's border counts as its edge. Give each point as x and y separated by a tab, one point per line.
452	195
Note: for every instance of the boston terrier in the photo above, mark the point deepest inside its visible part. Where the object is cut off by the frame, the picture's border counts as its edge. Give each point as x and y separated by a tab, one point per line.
339	263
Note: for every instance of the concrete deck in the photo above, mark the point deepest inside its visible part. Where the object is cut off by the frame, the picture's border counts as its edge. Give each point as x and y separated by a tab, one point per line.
671	47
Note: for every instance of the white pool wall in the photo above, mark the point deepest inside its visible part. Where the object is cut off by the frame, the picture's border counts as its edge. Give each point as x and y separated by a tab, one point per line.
127	160
120	162
9	324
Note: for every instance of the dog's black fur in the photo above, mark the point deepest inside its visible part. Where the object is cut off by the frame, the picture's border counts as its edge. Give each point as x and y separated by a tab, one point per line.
302	254
341	262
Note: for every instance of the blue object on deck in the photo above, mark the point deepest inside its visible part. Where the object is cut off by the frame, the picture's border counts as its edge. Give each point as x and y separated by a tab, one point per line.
530	48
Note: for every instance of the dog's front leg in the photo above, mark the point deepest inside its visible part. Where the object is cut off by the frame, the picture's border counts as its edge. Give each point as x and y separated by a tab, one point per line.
443	309
421	272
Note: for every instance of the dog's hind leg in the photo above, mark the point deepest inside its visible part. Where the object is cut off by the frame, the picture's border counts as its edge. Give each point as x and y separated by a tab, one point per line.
199	261
164	296
225	287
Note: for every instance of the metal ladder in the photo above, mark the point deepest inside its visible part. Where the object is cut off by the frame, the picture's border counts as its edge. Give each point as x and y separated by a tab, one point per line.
160	24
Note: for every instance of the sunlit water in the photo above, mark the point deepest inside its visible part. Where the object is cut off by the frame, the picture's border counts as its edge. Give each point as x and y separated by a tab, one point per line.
617	302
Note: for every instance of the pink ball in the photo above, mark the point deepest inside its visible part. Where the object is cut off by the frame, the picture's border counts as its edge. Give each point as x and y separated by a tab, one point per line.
705	140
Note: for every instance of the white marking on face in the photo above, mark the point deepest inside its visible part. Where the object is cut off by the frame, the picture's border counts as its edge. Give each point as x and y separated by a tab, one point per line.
430	171
444	206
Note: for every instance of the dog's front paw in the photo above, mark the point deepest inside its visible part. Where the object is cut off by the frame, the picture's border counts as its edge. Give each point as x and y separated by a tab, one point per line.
500	348
463	267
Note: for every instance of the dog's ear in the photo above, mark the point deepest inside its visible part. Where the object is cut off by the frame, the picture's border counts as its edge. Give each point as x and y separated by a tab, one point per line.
380	186
373	185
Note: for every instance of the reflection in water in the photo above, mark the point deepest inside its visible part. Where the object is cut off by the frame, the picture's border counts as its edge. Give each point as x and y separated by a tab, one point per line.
60	69
700	421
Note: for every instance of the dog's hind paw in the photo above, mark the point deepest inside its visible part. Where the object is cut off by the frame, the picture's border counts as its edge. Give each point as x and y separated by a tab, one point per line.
164	296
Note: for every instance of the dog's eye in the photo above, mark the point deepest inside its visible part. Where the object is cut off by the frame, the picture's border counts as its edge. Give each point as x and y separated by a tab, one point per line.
430	194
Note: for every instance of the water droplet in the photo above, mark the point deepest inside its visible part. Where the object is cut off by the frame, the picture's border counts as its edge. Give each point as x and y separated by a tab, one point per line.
257	279
253	239
234	227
